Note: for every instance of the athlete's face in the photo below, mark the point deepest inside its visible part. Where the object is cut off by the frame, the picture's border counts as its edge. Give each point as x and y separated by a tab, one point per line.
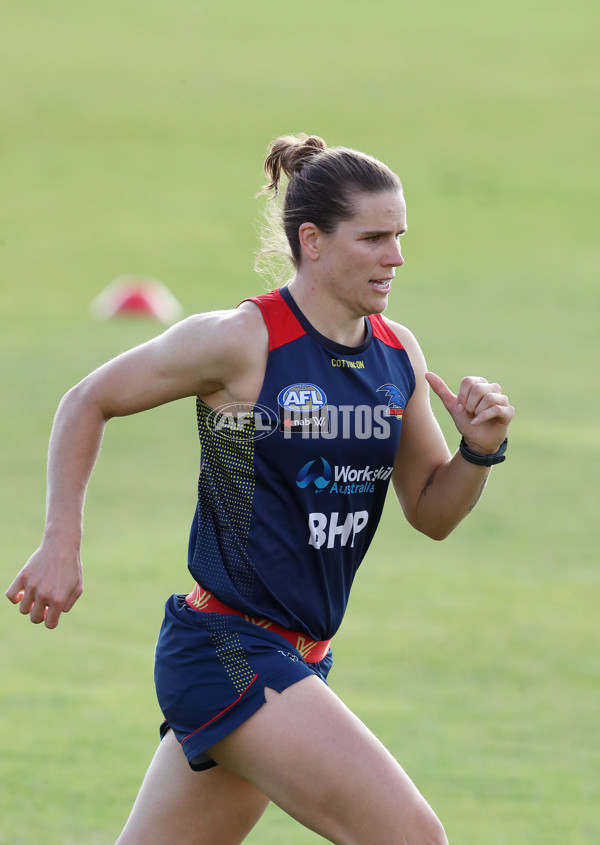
358	261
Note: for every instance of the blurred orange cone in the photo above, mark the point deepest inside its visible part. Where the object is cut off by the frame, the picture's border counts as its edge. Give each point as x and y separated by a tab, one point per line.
137	296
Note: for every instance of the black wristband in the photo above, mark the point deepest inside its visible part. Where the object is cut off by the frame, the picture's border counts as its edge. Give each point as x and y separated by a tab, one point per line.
483	460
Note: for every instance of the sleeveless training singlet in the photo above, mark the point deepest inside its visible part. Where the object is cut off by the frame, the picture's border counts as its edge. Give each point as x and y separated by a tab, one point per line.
291	490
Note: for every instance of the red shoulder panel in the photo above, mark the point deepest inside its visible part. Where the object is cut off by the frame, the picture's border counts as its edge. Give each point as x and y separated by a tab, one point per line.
282	325
382	332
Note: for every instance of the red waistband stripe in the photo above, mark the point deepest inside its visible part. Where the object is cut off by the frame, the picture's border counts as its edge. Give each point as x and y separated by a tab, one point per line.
311	650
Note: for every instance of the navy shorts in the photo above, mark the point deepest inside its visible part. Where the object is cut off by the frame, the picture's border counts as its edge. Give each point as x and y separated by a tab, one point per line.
211	671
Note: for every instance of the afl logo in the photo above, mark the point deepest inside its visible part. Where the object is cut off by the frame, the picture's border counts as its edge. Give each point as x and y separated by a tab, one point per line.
302	407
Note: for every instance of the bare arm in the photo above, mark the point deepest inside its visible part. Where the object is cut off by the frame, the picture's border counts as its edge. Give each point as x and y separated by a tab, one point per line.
203	355
437	489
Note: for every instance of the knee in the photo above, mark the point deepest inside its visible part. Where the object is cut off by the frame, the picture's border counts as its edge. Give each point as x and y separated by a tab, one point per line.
430	829
414	824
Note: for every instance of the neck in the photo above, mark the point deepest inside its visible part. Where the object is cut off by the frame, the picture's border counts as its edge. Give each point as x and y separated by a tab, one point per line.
329	316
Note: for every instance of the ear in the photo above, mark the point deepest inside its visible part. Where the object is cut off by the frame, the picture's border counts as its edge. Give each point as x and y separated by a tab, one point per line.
309	234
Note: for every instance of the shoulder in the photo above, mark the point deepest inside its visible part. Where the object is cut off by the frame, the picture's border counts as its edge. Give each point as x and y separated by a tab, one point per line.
214	349
234	346
244	318
410	344
232	332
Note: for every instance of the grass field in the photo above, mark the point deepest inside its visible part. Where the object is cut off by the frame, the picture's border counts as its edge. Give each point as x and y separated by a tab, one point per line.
133	137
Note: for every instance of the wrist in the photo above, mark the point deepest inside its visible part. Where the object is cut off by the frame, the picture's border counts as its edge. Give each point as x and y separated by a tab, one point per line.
480	458
67	537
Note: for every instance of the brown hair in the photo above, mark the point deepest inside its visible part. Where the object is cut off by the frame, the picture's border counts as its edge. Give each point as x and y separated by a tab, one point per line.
322	183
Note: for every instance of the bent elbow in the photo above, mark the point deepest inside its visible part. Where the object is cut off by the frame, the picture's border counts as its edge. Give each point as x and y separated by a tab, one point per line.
81	402
440	534
437	534
436	530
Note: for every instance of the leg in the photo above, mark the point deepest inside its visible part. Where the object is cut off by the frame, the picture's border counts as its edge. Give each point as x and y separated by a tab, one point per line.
319	763
176	804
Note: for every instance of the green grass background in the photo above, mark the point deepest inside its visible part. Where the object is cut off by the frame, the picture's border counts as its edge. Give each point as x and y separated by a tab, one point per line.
132	140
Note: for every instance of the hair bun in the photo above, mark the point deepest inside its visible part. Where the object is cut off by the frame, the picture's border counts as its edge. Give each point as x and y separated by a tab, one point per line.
289	153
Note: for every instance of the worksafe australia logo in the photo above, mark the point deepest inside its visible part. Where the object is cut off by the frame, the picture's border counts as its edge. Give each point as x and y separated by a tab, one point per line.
318	472
345	480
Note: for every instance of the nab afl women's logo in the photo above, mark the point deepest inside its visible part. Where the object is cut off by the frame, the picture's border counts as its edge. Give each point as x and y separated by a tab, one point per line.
302	408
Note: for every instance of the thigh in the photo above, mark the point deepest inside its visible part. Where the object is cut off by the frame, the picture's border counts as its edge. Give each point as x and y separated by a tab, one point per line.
176	804
312	756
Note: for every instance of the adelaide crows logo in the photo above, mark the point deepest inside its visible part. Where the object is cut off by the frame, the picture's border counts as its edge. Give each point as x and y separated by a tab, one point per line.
396	401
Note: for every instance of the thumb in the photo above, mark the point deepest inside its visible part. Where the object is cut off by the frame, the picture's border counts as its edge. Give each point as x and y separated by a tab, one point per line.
441	389
15	591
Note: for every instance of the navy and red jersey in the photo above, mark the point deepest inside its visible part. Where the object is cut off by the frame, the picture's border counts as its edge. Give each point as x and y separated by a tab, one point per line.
291	489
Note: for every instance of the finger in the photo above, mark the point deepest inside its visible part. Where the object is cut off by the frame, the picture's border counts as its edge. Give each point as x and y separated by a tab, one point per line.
489	400
38	611
27	601
52	616
441	389
500	412
15	591
72	599
469	392
482	396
